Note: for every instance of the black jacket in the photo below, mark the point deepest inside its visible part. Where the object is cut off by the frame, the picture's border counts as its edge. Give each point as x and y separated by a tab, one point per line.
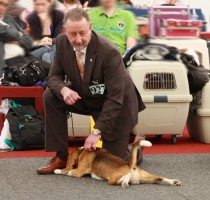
36	27
12	33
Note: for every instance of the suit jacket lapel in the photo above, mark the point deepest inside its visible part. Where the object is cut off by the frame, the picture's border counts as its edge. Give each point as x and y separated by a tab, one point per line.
89	64
72	69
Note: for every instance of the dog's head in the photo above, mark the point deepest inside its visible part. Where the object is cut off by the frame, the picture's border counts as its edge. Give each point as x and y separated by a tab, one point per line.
74	157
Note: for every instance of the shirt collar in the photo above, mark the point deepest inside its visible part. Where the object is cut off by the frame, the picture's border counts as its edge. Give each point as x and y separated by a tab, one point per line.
82	50
101	12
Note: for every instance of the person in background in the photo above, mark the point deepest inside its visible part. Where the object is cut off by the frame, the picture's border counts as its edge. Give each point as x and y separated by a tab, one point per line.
70	4
61	1
127	3
13	40
45	24
18	13
116	24
90	3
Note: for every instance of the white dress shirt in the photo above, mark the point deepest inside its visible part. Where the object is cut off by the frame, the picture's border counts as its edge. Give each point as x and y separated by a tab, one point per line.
83	53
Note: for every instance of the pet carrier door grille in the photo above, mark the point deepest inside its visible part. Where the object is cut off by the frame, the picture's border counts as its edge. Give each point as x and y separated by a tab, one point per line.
159	81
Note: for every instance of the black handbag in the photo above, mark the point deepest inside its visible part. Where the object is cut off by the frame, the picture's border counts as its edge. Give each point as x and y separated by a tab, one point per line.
24	71
26	127
197	75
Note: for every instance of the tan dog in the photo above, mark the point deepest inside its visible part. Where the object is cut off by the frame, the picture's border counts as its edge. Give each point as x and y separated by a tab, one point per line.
102	165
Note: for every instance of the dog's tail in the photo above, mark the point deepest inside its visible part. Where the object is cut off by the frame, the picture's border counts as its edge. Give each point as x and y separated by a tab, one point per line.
136	146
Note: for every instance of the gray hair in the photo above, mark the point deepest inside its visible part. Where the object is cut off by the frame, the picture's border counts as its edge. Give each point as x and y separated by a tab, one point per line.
76	14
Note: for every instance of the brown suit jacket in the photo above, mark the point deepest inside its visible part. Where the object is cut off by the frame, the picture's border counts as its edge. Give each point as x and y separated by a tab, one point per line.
119	105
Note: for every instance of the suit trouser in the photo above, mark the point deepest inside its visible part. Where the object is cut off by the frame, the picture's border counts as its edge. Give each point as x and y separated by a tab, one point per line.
57	129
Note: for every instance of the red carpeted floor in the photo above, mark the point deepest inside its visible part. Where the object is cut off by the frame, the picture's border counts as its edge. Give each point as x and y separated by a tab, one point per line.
163	145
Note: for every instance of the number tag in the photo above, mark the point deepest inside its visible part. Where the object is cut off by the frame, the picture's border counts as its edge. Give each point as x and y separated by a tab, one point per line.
97	89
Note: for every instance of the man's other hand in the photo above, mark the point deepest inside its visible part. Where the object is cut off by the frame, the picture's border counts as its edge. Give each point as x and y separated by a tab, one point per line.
90	142
70	97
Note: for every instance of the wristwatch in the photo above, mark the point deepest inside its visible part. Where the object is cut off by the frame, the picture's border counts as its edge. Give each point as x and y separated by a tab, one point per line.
96	132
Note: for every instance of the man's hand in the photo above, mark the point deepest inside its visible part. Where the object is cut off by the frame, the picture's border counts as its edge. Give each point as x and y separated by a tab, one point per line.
90	142
69	96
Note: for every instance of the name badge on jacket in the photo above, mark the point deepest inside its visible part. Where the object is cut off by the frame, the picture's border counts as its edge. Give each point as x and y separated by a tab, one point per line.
97	89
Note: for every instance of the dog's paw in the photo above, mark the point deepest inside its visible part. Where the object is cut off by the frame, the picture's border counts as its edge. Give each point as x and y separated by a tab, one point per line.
69	173
177	182
57	171
125	185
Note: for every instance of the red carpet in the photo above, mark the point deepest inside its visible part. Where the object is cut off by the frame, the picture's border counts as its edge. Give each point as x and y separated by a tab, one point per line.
184	145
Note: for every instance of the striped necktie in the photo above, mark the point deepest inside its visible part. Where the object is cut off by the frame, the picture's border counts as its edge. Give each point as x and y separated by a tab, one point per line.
80	63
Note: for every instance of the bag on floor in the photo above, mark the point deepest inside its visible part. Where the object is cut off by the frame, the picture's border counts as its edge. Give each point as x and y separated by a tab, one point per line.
25	71
27	75
26	127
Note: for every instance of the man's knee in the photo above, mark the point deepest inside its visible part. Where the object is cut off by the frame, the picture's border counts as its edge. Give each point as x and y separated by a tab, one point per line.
47	96
118	147
51	101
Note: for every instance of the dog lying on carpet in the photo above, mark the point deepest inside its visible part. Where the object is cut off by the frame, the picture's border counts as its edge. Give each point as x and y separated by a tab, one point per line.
102	165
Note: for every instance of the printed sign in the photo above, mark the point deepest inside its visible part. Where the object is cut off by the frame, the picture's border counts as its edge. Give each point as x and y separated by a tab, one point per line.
97	89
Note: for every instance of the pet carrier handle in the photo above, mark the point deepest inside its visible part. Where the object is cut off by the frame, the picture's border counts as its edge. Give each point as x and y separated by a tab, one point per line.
160	99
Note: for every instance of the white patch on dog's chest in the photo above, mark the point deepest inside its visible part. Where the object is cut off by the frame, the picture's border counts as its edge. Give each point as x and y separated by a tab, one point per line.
135	177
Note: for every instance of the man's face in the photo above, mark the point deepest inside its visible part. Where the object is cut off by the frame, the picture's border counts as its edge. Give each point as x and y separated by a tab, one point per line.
3	6
78	33
107	3
41	6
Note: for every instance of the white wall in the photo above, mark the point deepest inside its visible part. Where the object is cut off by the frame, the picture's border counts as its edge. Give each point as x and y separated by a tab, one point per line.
26	3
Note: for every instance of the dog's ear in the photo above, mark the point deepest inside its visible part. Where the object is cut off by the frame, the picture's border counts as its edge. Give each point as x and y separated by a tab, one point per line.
73	159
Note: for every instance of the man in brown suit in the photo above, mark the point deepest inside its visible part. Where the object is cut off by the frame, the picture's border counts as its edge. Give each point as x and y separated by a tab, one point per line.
100	87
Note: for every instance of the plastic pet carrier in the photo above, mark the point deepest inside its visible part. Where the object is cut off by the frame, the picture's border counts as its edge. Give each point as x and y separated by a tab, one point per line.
198	122
164	88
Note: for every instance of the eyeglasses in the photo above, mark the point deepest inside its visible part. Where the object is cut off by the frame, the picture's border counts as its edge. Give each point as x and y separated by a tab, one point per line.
4	4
